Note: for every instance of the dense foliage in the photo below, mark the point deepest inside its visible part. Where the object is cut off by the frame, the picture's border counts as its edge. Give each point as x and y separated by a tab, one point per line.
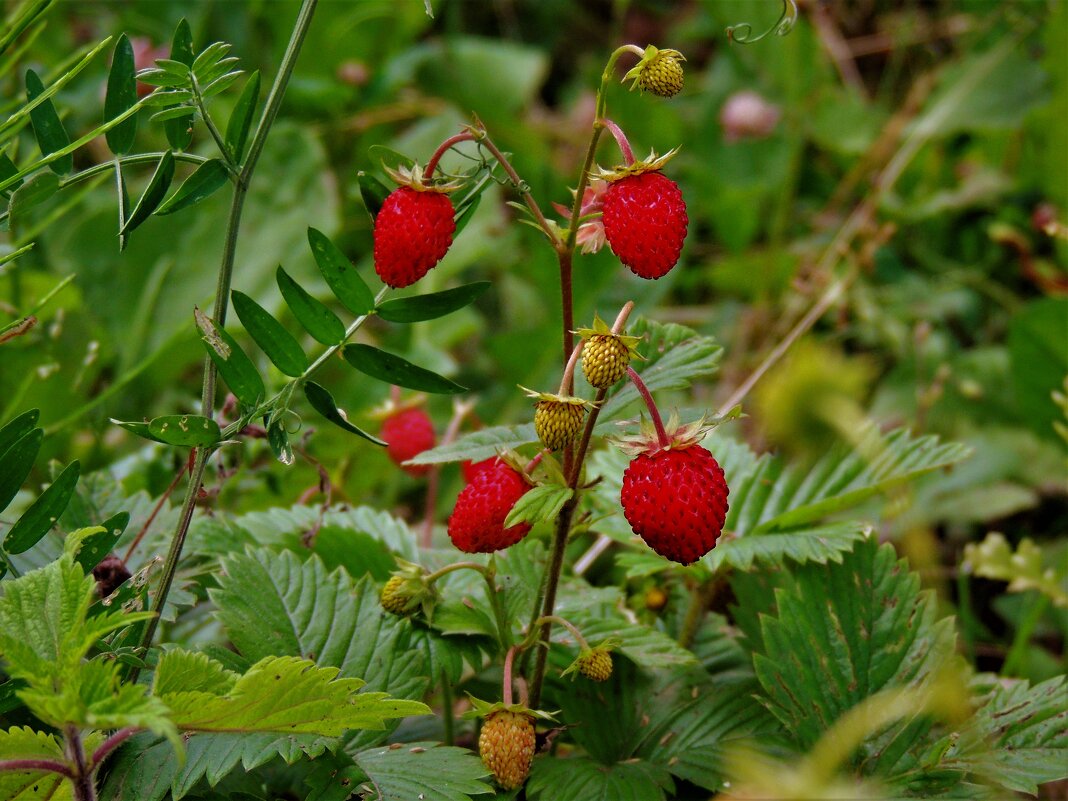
280	519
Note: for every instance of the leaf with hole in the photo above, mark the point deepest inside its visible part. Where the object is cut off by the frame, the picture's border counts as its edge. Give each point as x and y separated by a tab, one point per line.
202	183
233	364
323	325
43	512
180	130
340	274
185	429
48	129
430	306
121	95
16	463
273	339
323	402
154	193
237	127
395	370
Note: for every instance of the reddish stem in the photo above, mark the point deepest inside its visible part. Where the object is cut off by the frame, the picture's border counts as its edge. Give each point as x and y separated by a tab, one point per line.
110	744
45	765
432	164
506	695
568	381
534	462
643	390
155	512
621	140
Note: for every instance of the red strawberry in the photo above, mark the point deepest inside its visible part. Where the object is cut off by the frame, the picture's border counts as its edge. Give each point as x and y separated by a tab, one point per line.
676	500
413	231
477	521
407	433
645	222
471	469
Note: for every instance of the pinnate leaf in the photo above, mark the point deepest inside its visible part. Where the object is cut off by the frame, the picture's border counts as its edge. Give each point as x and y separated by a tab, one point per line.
340	274
273	339
430	306
311	313
394	370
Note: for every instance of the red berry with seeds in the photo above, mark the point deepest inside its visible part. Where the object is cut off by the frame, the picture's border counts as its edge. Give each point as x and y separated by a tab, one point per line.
645	222
413	232
477	521
471	469
407	433
676	500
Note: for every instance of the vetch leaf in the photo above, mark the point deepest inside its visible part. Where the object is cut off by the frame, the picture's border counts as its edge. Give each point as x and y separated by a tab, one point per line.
278	439
202	183
210	56
180	130
138	427
430	306
233	364
373	192
539	505
178	112
185	429
43	512
221	84
48	129
18	427
7	170
340	274
36	190
94	547
323	402
237	127
16	463
464	215
395	370
273	339
154	193
323	325
121	95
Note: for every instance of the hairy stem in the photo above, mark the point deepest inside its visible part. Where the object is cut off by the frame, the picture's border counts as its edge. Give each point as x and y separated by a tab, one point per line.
110	744
48	765
432	162
446	710
582	644
658	423
621	140
82	774
506	690
568	379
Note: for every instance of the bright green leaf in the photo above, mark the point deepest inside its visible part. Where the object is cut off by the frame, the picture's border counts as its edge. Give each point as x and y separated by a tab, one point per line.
539	505
95	547
32	785
340	274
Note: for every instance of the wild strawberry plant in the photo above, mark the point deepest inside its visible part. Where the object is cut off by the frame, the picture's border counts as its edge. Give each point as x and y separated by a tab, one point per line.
615	606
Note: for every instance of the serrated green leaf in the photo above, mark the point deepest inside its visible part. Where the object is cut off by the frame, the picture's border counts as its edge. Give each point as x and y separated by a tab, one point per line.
340	274
643	645
237	127
874	629
44	512
273	339
48	129
95	547
582	777
430	306
323	402
187	430
539	505
32	785
154	193
323	325
479	445
204	181
820	544
234	365
423	770
180	131
373	192
395	370
18	427
16	463
121	95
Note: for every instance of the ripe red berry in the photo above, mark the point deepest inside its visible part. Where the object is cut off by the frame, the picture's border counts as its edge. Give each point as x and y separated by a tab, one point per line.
408	433
676	500
645	222
477	521
413	231
471	469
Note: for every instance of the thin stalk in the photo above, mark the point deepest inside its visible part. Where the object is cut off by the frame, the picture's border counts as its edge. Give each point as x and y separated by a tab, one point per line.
222	295
49	765
582	644
432	162
520	187
209	123
1011	665
506	689
140	158
695	612
568	380
446	709
110	744
621	140
658	423
82	774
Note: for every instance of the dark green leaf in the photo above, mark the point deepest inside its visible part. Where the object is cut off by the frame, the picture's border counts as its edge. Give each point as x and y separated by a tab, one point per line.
123	203
139	428
234	365
464	215
37	189
43	513
168	98
432	305
323	402
237	127
315	317
395	370
278	439
279	345
340	274
7	169
583	777
154	193
16	463
426	771
121	95
48	129
17	428
169	114
154	77
96	546
373	192
203	182
180	131
185	429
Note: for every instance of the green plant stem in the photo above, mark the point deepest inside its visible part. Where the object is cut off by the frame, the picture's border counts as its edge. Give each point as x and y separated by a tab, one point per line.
140	158
222	296
582	644
695	612
446	710
520	187
209	123
1011	666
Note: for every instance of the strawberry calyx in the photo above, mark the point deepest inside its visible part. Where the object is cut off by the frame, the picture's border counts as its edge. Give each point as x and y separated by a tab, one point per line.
649	60
483	709
591	655
651	163
413	178
408	591
601	329
550	397
679	435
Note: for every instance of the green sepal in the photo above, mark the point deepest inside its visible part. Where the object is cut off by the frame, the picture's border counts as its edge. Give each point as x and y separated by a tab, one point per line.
483	709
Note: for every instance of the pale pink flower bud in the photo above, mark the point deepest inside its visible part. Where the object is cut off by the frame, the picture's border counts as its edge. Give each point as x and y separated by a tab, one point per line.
747	115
